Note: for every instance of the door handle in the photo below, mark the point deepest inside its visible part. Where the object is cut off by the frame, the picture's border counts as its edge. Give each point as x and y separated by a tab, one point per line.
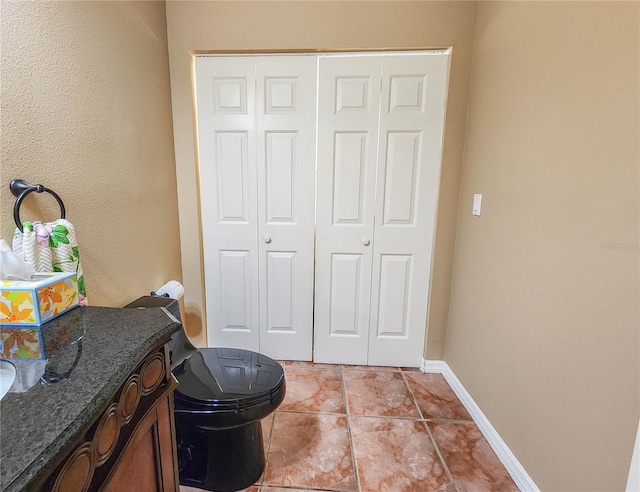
365	240
266	238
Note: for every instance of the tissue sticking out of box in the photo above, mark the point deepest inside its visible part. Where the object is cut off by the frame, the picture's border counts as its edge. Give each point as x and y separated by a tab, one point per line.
12	267
172	288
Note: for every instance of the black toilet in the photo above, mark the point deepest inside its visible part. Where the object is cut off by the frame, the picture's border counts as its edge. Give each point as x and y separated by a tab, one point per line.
223	394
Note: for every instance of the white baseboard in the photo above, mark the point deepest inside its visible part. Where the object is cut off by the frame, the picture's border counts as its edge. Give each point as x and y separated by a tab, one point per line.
633	482
508	459
431	366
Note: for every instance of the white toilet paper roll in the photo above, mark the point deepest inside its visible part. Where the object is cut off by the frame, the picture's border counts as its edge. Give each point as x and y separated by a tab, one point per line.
172	288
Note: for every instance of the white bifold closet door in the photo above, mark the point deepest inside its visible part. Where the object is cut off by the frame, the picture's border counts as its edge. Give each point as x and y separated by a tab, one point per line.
256	141
379	156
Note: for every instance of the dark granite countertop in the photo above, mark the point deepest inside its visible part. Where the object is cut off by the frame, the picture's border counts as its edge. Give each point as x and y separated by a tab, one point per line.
38	424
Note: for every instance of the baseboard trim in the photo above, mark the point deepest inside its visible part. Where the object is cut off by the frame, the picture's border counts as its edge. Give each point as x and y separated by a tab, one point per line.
508	459
431	366
633	482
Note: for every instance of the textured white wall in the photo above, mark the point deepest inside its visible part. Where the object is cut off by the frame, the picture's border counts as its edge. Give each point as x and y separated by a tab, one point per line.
86	112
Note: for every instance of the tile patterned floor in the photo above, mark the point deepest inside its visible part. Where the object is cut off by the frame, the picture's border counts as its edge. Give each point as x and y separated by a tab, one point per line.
374	429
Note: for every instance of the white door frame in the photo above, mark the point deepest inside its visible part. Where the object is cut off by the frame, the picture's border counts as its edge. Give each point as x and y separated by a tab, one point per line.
373	264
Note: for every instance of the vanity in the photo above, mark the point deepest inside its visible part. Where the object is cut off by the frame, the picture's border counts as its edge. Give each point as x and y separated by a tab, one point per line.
97	410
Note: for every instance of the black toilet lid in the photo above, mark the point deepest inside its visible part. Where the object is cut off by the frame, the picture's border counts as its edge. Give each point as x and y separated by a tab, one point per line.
228	377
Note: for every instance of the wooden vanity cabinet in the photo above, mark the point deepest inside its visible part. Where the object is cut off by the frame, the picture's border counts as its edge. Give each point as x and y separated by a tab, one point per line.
131	444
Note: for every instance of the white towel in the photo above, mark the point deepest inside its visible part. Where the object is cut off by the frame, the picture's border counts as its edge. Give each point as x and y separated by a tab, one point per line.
50	247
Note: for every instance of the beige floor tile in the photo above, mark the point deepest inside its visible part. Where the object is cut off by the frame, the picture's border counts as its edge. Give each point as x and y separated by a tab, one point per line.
314	390
378	393
435	398
310	450
471	461
267	425
396	455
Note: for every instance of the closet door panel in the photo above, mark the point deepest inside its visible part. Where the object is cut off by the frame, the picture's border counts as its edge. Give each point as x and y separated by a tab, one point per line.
225	93
349	174
402	170
235	278
232	163
413	102
286	159
394	296
347	316
348	105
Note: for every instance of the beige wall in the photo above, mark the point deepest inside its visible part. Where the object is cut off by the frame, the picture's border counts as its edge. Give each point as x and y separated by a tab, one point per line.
544	327
86	112
319	25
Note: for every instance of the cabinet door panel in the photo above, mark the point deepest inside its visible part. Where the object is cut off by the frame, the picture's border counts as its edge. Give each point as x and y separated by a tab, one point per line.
148	463
140	467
